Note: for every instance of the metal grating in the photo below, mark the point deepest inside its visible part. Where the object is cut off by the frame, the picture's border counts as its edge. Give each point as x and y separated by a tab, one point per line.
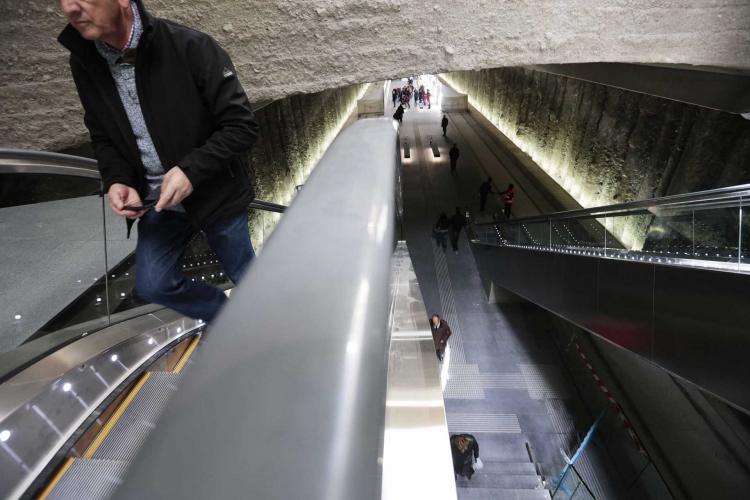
89	479
492	423
139	419
561	420
545	381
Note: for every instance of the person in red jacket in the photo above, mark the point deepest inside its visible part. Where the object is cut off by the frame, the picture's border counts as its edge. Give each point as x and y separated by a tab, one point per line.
507	197
441	332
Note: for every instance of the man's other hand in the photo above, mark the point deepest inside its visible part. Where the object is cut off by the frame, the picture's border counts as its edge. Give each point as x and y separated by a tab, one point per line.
174	188
121	196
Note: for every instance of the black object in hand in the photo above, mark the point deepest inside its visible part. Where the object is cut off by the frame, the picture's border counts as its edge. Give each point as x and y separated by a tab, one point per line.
145	206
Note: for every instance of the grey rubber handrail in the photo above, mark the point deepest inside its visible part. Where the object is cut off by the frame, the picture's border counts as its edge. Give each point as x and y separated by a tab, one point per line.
297	360
692	200
21	161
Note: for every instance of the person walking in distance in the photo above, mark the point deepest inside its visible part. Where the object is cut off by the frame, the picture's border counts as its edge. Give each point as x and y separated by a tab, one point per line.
507	197
441	332
169	124
485	189
458	221
399	114
442	226
444	124
453	154
394	96
465	454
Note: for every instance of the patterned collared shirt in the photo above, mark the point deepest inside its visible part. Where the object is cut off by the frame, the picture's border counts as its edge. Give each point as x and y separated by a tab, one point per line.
124	75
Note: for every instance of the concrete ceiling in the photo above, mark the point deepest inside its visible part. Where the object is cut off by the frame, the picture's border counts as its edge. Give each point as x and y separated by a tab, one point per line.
282	47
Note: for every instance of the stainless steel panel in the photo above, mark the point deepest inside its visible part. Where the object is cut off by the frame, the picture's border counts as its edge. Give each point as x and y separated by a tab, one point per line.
701	329
692	322
46	403
287	399
416	457
625	315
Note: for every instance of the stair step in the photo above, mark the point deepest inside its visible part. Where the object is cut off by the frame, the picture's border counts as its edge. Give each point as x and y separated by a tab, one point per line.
501	494
139	419
499	467
513	481
89	479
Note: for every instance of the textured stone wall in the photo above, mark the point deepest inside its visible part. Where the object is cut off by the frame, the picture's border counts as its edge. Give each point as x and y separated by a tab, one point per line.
294	134
284	47
606	145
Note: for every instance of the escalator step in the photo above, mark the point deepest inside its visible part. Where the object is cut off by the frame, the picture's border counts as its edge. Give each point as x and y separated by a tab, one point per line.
89	479
139	419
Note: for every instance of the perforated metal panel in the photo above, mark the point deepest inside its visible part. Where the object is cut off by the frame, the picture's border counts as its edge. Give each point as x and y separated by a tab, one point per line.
139	418
89	479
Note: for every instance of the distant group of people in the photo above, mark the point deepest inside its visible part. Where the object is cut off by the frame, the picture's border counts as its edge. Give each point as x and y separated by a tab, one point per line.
406	93
485	189
403	97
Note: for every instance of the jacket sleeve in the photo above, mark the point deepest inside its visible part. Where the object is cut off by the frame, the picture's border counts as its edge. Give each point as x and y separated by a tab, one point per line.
235	126
113	166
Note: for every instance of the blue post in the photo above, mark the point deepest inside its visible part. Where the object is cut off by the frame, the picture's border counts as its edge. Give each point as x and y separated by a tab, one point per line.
586	440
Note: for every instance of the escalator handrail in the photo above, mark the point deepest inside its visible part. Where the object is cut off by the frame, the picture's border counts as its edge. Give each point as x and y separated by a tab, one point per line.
21	161
694	200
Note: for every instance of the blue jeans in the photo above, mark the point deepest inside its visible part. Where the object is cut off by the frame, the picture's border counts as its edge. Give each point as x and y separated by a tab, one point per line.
162	239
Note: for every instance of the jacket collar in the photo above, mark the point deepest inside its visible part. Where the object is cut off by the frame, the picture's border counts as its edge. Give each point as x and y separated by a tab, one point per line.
72	40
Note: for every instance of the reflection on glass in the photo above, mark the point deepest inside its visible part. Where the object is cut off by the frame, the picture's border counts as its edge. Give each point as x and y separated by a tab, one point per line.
586	234
53	252
717	234
535	234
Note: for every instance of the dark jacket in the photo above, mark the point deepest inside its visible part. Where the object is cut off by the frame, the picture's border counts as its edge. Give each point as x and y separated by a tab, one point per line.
440	335
463	460
458	221
444	122
485	189
453	153
196	111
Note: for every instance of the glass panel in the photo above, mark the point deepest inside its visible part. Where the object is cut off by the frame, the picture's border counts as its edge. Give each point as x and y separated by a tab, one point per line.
585	235
717	234
535	235
53	252
745	231
668	235
508	234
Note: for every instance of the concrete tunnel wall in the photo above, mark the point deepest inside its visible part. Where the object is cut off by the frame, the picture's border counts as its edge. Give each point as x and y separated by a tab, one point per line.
285	47
606	145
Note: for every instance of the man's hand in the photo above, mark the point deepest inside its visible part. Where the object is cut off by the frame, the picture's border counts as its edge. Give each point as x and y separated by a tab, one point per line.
174	188
120	196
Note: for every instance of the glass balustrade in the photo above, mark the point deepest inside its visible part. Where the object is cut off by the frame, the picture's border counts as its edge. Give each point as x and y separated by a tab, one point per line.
708	229
68	267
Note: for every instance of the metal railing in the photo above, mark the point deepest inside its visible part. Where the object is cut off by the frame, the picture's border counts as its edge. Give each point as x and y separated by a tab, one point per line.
701	229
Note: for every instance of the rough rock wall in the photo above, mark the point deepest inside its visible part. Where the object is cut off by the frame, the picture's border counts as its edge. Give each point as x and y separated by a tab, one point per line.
284	47
606	145
294	134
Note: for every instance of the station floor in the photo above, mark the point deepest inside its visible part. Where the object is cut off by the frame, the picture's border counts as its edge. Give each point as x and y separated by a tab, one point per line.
506	384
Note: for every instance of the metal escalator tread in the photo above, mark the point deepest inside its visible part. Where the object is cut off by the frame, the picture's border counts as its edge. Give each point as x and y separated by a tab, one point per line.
89	479
139	419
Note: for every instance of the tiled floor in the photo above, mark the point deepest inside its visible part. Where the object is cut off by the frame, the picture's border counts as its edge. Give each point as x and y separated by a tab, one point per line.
505	384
